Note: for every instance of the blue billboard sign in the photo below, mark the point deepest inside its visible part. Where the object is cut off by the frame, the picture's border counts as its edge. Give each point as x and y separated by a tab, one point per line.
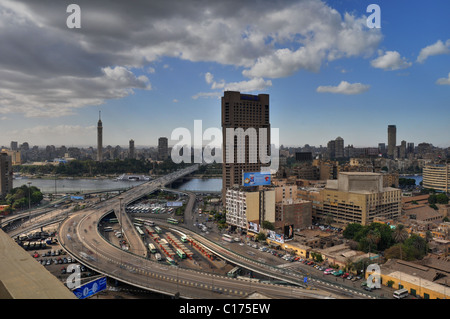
90	288
256	179
174	204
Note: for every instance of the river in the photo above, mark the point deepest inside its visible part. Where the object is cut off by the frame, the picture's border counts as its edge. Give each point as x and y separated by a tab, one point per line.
62	186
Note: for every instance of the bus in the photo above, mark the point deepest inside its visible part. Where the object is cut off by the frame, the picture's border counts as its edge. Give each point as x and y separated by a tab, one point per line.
158	257
181	253
172	221
234	272
141	233
158	230
170	261
113	220
184	238
227	238
401	293
152	248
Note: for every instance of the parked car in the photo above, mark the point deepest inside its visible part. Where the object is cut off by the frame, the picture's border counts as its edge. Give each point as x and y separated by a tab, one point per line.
345	275
328	271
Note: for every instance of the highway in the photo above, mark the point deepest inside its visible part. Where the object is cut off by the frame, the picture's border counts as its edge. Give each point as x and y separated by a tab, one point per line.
78	234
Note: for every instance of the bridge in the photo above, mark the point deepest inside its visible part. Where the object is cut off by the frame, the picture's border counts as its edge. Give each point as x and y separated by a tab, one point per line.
79	235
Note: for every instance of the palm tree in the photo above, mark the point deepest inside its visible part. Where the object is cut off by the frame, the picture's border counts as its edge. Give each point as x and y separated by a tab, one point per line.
400	234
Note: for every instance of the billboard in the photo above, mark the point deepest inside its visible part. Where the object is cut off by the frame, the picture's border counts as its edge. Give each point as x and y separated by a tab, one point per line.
90	288
276	237
174	204
288	232
253	227
256	179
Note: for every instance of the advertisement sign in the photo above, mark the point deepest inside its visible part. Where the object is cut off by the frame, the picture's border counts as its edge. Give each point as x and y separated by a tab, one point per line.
90	288
288	232
275	237
256	179
174	204
253	227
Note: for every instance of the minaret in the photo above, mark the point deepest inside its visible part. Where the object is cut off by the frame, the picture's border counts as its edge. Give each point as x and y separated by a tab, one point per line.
99	138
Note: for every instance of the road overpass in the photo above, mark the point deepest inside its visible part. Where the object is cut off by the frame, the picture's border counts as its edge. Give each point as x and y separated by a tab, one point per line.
80	237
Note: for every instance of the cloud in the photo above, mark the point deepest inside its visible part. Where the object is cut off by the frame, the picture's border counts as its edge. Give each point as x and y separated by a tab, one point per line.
391	60
444	81
434	49
70	68
344	88
59	96
252	85
207	95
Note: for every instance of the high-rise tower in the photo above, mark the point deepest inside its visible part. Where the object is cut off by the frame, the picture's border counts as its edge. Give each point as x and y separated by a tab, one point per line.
246	112
99	138
392	140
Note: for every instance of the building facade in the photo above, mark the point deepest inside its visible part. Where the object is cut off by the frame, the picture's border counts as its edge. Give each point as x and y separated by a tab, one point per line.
163	148
6	174
359	198
392	141
437	176
241	153
244	206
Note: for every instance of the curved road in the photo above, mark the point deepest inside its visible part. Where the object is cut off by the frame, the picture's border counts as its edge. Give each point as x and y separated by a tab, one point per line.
80	237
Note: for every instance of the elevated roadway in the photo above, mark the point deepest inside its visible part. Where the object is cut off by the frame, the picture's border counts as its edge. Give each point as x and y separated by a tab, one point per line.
80	237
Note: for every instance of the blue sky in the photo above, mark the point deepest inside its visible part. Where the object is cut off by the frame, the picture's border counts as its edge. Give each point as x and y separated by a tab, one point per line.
151	68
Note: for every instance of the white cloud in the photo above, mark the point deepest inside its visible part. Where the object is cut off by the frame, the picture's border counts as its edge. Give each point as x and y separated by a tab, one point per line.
391	60
255	84
444	81
50	70
59	96
207	95
434	49
344	88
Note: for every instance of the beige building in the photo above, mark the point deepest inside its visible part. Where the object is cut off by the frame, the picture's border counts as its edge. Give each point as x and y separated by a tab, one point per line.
359	198
15	156
437	176
244	206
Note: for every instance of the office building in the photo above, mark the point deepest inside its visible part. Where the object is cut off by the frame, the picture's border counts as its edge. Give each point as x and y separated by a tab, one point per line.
293	212
99	138
339	147
14	146
392	140
249	113
248	209
359	197
437	176
6	174
163	148
131	151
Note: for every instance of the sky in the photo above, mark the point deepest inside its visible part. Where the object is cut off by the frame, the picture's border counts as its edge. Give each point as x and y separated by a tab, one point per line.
153	66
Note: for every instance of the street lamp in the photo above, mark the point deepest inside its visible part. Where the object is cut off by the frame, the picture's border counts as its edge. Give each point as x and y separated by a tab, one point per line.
29	201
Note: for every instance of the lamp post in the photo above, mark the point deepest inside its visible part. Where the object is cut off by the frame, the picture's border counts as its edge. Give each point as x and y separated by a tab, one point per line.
29	201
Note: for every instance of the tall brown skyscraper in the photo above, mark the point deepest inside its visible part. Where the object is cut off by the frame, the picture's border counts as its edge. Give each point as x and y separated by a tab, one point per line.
392	140
6	174
131	149
99	138
243	111
163	148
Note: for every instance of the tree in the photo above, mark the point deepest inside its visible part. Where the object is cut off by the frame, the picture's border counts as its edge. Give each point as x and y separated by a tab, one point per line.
400	234
268	225
351	230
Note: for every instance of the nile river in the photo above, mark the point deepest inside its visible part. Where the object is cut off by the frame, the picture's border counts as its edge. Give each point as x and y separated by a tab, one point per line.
62	186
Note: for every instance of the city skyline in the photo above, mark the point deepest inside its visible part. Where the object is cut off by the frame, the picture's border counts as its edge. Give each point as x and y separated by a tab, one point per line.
151	68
